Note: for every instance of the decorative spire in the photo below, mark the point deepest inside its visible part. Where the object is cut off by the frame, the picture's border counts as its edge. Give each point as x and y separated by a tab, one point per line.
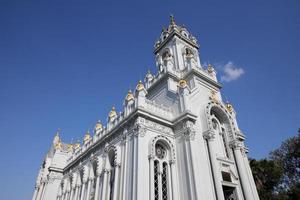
57	141
77	145
98	126
172	20
210	68
87	137
112	113
140	86
129	96
229	107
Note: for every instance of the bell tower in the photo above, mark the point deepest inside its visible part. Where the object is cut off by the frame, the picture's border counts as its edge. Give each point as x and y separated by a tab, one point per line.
176	50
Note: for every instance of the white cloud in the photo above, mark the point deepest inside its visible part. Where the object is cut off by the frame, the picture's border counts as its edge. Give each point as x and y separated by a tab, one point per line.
230	72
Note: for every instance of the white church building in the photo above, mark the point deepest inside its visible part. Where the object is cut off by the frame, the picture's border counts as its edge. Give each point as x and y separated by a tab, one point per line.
175	139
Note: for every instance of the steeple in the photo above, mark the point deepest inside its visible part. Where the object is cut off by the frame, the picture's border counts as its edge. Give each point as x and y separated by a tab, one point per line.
176	49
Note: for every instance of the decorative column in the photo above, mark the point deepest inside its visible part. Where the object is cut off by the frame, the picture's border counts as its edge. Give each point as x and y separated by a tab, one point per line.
104	184
40	191
97	186
90	180
151	177
82	190
174	180
76	191
116	182
209	136
159	172
237	147
169	192
72	192
125	161
35	193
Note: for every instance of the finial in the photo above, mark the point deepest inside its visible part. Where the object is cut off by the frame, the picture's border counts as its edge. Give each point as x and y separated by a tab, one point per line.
172	20
210	68
98	126
229	106
182	83
129	96
140	86
58	132
87	136
112	113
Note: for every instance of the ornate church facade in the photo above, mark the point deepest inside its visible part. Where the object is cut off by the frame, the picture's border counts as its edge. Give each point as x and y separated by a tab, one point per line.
176	139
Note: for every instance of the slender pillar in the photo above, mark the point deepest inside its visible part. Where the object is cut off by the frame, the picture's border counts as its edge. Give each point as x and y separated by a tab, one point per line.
72	193
116	182
97	187
125	174
159	180
104	184
40	192
35	193
251	179
88	189
82	190
169	181
76	192
243	173
44	189
215	169
175	188
151	177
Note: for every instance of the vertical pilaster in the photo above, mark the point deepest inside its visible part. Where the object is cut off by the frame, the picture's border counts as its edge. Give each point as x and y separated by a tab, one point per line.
104	184
124	173
245	181
35	193
116	182
170	192
209	136
97	186
90	180
175	187
41	188
151	177
82	190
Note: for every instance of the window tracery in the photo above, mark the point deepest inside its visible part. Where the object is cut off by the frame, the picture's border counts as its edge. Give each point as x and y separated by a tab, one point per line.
220	128
161	171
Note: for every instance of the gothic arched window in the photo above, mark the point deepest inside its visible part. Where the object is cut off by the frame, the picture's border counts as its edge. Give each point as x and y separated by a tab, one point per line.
220	129
161	172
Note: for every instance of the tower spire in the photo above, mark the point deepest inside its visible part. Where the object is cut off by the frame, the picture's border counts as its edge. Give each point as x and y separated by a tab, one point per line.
172	20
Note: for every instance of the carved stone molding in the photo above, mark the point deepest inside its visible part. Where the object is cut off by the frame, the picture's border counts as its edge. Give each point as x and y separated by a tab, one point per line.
209	135
186	129
189	130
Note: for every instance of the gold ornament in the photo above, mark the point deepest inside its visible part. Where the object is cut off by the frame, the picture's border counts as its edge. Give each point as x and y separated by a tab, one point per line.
140	86
229	107
58	145
182	83
87	137
70	147
98	126
129	96
112	113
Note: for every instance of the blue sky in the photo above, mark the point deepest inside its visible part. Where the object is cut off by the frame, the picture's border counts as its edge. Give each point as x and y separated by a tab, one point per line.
64	64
